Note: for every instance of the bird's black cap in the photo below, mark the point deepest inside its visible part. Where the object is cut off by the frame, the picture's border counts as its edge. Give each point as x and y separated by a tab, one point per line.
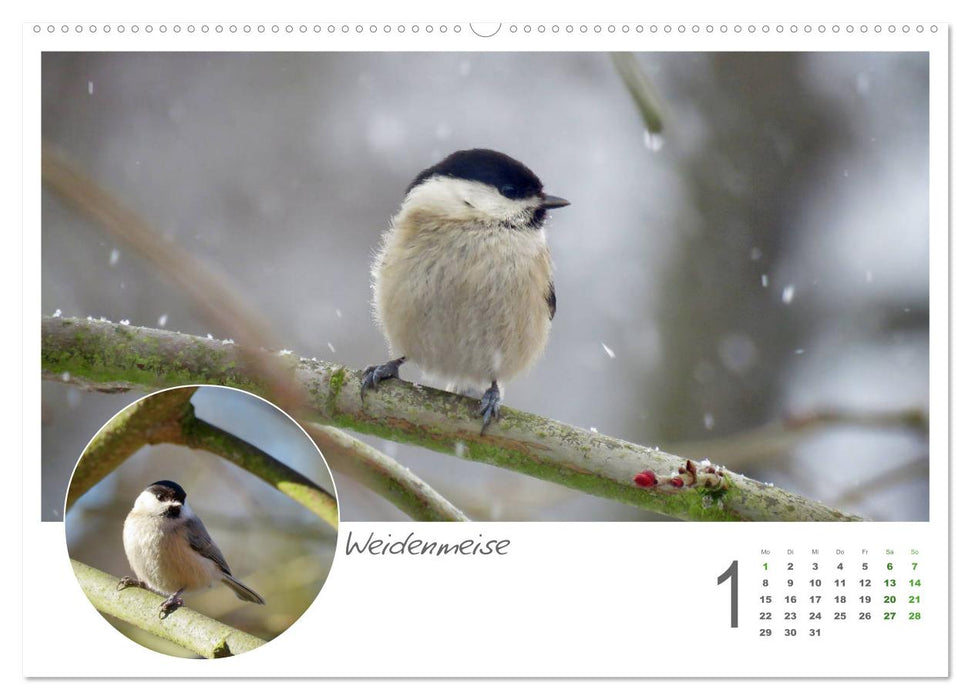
167	491
513	179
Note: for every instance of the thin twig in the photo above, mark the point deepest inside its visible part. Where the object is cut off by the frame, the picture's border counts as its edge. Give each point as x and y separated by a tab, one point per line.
640	89
187	628
781	436
383	475
905	473
105	354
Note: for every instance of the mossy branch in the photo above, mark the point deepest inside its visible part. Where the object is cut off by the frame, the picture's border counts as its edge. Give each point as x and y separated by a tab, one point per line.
125	434
169	417
189	629
200	435
100	354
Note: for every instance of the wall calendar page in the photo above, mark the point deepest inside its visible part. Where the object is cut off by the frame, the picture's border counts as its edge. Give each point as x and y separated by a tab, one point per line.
469	350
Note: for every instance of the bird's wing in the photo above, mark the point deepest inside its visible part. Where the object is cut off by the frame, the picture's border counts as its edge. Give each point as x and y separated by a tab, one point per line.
551	299
201	542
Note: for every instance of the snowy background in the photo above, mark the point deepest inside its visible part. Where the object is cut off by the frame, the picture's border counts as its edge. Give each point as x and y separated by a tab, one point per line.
766	258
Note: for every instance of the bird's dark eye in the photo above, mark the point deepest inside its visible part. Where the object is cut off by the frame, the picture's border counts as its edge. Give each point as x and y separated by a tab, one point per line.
508	191
159	496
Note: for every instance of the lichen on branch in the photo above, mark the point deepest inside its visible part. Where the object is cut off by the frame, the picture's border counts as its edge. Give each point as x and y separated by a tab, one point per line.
189	629
99	354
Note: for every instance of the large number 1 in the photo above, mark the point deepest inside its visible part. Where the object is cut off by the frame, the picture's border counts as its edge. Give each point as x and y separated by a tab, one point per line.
732	573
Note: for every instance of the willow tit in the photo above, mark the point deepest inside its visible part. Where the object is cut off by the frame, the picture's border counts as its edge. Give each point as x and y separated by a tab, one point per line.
170	551
463	279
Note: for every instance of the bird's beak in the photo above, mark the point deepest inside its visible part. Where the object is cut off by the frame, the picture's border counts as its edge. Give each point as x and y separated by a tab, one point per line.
553	202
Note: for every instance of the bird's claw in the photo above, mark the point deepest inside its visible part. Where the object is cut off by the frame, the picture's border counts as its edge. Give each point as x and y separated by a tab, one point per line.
128	582
170	605
489	408
375	374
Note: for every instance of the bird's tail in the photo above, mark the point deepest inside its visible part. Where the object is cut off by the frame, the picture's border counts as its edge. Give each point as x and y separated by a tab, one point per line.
242	591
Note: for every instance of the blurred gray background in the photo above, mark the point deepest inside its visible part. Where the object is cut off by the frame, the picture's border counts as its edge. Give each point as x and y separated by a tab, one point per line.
766	258
271	542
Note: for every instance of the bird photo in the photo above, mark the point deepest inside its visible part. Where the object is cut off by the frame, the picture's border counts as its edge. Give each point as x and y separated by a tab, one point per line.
523	325
231	540
170	550
514	285
463	281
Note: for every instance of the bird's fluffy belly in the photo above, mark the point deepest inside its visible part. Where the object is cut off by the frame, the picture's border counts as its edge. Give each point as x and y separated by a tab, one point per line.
472	312
166	564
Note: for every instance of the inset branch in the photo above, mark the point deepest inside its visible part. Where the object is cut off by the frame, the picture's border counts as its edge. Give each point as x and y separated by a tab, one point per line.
169	417
123	436
189	629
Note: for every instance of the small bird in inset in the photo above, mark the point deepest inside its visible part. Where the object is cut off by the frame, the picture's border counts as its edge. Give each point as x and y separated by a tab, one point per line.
170	551
463	279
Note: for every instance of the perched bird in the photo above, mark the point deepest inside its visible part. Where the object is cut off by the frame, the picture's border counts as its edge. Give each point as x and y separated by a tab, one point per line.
170	551
463	279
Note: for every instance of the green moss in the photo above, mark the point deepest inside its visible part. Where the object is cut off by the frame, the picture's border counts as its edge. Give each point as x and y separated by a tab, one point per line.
337	380
105	354
687	505
120	355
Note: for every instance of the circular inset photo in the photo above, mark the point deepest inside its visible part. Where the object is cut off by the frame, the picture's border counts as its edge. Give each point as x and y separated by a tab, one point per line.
201	521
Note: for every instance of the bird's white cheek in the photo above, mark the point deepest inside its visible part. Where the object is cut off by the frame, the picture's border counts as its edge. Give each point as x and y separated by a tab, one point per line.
147	503
460	200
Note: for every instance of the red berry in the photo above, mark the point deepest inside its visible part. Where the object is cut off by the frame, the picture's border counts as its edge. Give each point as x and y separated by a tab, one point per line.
677	482
646	479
